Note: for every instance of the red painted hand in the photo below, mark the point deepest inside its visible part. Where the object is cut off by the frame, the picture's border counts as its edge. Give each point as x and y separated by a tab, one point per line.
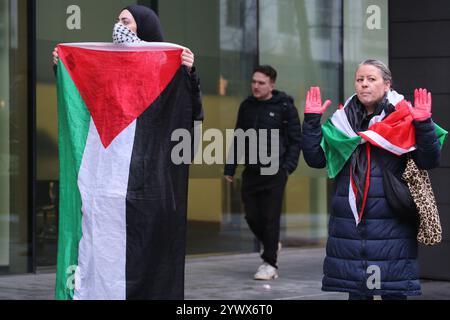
314	102
422	105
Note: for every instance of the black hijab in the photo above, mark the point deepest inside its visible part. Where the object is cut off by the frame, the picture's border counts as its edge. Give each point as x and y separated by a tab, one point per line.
148	26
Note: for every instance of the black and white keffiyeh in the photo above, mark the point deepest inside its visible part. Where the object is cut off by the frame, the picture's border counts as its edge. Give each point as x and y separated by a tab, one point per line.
122	34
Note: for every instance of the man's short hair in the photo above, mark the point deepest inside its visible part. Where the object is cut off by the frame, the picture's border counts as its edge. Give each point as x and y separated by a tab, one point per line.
268	71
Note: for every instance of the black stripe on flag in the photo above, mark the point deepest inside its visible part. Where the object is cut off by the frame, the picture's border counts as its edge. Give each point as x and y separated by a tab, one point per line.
157	198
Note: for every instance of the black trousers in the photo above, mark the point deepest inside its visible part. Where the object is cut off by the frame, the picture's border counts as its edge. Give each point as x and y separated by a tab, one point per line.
263	197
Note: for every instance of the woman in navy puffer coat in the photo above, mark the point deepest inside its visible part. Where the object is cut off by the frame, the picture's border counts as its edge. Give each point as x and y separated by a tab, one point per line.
376	255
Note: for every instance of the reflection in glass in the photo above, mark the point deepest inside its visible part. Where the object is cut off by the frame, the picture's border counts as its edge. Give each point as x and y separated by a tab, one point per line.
302	40
223	36
360	42
4	137
15	243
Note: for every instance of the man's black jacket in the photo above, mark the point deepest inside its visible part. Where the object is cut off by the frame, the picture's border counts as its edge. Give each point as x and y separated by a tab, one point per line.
277	113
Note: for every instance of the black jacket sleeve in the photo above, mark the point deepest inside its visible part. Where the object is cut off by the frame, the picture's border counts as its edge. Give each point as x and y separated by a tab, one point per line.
197	105
231	164
428	148
312	137
294	138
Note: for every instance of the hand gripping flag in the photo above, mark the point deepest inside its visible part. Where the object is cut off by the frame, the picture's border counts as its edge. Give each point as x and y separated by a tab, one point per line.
122	202
394	133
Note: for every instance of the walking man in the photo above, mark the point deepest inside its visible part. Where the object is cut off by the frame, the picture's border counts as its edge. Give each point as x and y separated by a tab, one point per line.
262	191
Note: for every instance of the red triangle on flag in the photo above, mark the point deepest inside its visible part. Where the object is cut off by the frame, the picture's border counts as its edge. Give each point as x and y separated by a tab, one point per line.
397	128
118	86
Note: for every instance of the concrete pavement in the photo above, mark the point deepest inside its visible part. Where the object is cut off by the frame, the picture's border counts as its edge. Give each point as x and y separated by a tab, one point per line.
229	277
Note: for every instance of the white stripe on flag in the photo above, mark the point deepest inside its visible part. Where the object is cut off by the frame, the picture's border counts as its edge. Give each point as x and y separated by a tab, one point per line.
340	121
352	202
394	97
385	144
103	184
130	47
376	119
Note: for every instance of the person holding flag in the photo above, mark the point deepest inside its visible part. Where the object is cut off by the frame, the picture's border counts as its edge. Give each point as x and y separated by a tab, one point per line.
123	201
371	248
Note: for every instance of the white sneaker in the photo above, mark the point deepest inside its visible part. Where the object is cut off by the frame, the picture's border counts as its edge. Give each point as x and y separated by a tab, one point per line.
266	272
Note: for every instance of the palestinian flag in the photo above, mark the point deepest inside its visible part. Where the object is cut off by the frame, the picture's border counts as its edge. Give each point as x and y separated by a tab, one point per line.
122	215
394	133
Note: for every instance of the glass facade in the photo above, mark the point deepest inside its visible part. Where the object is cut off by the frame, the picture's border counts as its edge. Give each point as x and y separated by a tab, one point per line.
224	36
302	39
15	222
4	136
365	36
309	42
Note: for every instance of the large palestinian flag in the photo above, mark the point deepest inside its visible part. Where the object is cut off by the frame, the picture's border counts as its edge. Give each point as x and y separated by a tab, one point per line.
122	216
394	133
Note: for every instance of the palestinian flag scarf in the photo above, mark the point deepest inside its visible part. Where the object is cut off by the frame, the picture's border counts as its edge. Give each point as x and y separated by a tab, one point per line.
350	134
123	203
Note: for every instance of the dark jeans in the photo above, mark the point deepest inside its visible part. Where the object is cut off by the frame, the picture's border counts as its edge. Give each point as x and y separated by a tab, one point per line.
354	296
263	198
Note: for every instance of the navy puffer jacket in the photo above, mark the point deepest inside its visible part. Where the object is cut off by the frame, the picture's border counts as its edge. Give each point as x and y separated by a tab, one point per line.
381	239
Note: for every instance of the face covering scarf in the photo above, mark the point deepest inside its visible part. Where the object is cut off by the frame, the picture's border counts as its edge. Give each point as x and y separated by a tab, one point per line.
122	34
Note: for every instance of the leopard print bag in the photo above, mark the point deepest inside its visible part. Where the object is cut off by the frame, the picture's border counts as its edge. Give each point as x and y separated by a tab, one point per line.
418	181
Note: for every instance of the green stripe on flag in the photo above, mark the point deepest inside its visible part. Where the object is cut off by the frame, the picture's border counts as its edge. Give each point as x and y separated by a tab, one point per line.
338	148
441	133
73	121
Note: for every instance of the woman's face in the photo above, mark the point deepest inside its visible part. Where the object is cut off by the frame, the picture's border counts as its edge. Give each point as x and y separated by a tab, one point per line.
370	86
126	18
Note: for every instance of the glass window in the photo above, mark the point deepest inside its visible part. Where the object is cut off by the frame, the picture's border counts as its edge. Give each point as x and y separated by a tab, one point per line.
235	13
286	17
308	55
365	36
223	36
15	242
